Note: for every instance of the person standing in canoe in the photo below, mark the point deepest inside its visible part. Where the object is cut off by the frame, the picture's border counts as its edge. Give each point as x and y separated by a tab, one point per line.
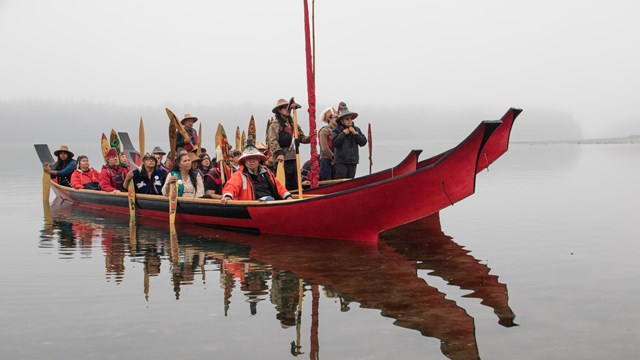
281	142
85	177
346	138
112	176
253	181
329	117
63	168
149	178
190	184
181	142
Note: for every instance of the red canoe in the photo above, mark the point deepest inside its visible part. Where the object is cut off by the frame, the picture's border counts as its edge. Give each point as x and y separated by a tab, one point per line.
496	146
355	214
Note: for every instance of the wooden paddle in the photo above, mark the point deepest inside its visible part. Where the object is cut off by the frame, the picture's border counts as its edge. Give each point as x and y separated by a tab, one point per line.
243	141
238	139
141	136
280	173
251	131
46	187
173	202
179	127
171	156
114	141
131	194
104	145
370	149
44	154
222	155
297	142
199	150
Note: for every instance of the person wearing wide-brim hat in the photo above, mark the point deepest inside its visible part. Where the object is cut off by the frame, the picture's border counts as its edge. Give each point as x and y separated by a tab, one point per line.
187	123
329	117
149	178
159	154
64	166
253	181
195	160
280	140
346	138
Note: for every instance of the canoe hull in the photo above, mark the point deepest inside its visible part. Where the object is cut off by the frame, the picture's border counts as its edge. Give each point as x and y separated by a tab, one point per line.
358	214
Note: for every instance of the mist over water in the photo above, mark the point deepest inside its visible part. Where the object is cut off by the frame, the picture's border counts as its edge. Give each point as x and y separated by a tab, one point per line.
62	122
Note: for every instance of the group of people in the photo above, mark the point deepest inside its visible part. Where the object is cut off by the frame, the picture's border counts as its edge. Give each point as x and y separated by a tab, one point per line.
252	170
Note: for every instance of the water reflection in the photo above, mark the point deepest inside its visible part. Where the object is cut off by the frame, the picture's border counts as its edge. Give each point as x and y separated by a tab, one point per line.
282	271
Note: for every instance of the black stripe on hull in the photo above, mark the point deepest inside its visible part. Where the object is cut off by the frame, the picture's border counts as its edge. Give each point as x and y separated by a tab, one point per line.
161	204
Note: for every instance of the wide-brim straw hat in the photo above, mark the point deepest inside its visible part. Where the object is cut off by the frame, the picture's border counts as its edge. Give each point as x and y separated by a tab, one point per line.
188	117
324	116
194	157
251	151
149	156
65	149
279	104
158	150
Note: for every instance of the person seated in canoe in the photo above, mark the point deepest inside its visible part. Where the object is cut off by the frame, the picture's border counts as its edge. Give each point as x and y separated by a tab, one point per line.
212	181
346	138
254	181
187	124
63	168
159	155
124	161
190	183
85	177
205	164
305	173
112	176
195	161
149	178
329	117
235	156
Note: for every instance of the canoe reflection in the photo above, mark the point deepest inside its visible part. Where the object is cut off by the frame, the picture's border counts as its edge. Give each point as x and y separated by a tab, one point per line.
379	276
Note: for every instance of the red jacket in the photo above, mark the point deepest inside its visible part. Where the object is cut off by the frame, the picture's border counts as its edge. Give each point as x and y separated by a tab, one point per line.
112	178
240	187
79	178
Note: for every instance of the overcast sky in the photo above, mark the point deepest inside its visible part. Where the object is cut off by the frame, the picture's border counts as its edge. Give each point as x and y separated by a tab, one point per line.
578	57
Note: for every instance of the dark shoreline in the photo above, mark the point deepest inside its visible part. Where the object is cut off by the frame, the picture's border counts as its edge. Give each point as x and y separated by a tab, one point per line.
632	139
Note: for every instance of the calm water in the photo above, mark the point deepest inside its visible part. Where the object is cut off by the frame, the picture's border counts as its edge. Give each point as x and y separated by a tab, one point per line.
549	243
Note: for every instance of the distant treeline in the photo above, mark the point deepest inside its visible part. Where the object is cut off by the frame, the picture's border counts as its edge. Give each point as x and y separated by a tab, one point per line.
55	122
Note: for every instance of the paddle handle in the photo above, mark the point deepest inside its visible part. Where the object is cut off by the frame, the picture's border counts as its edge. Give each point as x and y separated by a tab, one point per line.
173	202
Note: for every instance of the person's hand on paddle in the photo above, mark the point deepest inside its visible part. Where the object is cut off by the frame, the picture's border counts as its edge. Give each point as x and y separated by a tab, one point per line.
280	158
46	167
173	178
224	200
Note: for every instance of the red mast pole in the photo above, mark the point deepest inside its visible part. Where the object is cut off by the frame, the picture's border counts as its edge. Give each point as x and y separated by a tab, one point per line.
311	95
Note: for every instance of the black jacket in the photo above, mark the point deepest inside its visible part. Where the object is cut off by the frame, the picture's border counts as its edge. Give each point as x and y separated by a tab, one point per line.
346	146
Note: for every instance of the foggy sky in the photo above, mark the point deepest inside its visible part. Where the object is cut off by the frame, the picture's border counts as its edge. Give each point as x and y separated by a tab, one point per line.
574	58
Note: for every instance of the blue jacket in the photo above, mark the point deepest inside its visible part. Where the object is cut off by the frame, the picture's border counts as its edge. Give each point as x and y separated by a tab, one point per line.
144	185
64	174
